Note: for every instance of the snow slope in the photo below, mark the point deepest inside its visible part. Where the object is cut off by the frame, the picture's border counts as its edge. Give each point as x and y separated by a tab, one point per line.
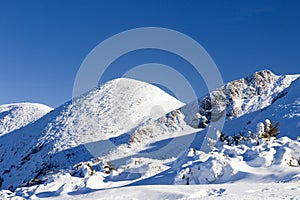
249	96
56	140
268	170
18	115
251	191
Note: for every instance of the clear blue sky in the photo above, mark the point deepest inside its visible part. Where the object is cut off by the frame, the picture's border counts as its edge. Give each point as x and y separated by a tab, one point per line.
42	43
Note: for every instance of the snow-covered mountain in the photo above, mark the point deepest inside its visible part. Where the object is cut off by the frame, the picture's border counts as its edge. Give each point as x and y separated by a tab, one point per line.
56	140
18	115
131	133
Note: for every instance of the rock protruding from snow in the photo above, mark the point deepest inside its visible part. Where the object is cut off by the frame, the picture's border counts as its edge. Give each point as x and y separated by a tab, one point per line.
18	115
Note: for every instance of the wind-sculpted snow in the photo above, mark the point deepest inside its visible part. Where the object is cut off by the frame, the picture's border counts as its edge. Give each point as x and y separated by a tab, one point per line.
18	115
270	161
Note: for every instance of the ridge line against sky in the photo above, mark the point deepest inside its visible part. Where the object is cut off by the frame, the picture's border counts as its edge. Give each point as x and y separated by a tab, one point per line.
42	43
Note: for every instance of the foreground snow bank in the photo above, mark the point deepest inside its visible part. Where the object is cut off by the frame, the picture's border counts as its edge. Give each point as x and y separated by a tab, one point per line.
271	161
268	170
212	191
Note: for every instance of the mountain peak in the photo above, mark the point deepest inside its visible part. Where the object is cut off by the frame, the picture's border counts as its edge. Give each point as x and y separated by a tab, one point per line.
16	115
265	73
262	77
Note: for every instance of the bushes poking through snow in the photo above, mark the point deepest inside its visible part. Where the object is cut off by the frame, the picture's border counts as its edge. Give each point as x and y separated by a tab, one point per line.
87	169
108	167
264	131
270	130
267	130
293	162
231	140
32	182
84	169
33	151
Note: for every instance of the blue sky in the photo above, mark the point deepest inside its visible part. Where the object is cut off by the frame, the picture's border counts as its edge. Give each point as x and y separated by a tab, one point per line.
42	43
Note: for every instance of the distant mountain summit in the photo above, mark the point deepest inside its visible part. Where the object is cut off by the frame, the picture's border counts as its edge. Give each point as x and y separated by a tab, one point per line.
18	115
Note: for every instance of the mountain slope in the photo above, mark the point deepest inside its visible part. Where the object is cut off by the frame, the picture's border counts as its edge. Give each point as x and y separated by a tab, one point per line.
166	137
256	91
243	97
238	98
285	109
56	140
18	115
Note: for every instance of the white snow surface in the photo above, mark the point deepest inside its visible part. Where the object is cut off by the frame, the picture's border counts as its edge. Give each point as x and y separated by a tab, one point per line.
18	115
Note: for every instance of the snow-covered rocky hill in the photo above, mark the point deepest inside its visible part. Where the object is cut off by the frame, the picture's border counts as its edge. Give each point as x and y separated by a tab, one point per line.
285	109
18	115
129	133
240	101
239	97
